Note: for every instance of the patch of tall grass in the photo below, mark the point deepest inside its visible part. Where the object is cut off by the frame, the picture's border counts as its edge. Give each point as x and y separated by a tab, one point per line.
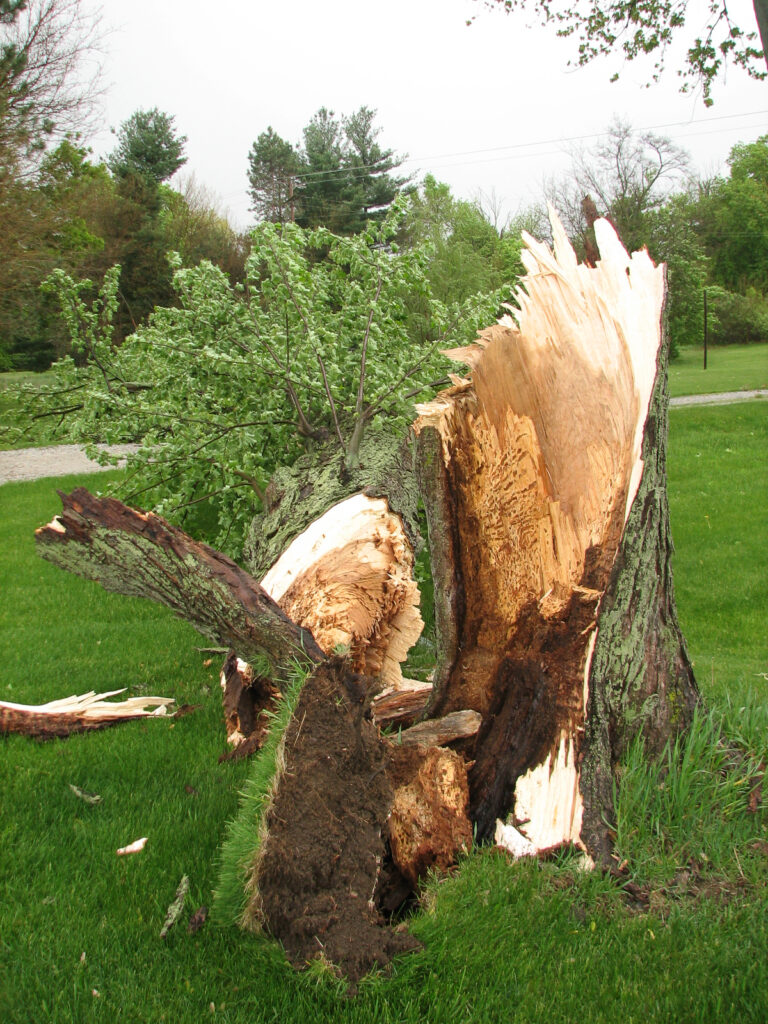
691	811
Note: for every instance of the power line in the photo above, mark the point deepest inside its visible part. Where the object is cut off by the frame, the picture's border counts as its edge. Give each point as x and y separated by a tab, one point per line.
362	169
593	135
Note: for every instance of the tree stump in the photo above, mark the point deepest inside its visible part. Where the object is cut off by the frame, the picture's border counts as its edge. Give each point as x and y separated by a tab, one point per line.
542	474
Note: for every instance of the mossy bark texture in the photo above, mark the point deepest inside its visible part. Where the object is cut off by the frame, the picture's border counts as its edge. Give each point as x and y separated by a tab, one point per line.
300	494
141	555
641	680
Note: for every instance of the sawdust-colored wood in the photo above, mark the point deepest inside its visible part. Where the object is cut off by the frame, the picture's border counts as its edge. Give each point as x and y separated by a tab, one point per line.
542	454
348	578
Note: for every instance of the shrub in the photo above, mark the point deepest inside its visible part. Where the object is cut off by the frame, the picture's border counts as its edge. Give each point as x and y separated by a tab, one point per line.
736	319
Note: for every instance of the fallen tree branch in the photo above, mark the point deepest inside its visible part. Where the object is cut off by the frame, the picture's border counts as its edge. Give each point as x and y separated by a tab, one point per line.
77	714
438	732
141	555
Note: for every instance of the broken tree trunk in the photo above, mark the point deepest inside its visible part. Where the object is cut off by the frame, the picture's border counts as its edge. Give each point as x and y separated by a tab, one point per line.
345	817
544	477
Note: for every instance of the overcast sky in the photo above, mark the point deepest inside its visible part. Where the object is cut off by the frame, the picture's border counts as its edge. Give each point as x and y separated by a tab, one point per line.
491	106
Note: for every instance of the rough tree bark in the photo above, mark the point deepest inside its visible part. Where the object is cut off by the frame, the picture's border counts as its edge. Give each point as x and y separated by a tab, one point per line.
543	479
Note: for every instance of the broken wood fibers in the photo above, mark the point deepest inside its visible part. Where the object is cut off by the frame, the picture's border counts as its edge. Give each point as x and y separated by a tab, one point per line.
348	578
530	470
77	714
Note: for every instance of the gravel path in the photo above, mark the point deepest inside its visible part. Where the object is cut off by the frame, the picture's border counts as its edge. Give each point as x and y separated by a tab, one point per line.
721	398
57	460
34	463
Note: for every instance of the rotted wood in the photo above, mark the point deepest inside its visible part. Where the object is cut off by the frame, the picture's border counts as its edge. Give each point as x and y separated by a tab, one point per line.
349	812
248	700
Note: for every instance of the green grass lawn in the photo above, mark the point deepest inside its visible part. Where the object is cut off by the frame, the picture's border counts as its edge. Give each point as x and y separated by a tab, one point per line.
528	942
718	489
729	368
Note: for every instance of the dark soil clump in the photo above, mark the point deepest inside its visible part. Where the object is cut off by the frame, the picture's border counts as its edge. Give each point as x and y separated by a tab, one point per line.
321	860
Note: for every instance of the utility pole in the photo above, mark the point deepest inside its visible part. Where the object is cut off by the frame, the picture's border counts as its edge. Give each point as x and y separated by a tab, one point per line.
705	328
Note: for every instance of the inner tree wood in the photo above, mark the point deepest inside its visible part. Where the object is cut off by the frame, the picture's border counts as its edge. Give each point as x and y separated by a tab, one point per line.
542	453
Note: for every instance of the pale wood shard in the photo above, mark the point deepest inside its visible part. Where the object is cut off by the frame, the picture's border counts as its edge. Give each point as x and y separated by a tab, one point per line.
135	847
542	454
78	713
437	732
348	578
402	705
548	800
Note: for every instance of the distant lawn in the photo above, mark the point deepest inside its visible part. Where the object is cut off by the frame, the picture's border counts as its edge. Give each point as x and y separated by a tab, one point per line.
729	368
13	379
523	942
718	492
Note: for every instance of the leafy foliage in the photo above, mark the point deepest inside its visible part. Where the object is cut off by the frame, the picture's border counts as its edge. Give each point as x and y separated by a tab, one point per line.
734	220
48	87
273	165
469	254
736	319
340	178
234	381
48	81
642	29
76	216
45	224
671	236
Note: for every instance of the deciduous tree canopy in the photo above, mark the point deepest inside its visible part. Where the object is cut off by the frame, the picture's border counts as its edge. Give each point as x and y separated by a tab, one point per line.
601	27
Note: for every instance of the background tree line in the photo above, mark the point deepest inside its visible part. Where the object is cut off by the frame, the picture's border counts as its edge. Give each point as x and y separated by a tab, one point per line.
60	208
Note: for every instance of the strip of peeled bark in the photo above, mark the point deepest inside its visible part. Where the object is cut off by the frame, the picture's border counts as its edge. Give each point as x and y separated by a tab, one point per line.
78	714
550	542
141	555
319	867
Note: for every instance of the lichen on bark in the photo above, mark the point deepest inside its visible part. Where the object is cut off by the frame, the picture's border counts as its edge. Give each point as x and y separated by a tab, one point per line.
641	679
300	494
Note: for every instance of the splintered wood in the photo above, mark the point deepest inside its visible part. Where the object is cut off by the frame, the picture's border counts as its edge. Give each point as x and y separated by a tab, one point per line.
348	578
78	714
542	447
